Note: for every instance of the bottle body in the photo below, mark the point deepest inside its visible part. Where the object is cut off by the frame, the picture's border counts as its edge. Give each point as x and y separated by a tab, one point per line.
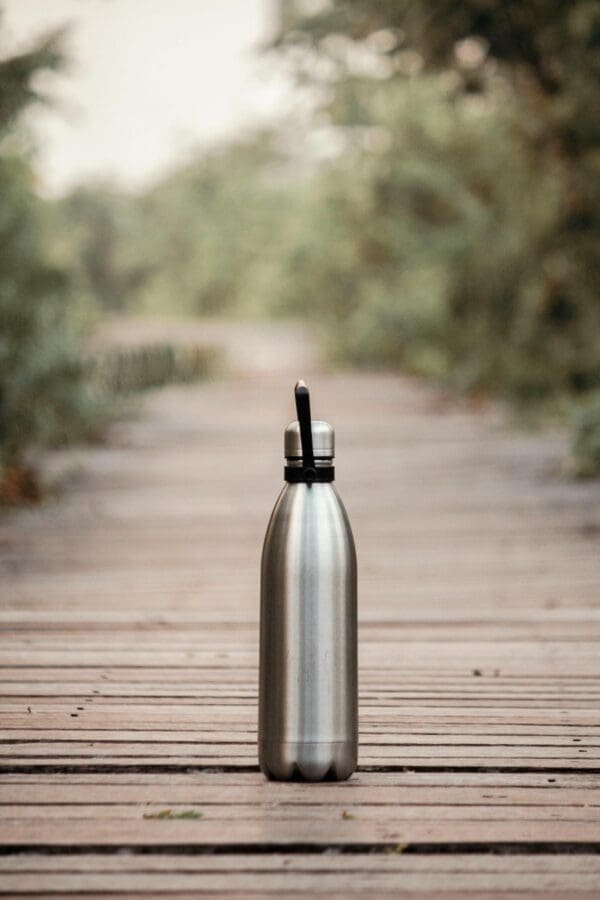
308	693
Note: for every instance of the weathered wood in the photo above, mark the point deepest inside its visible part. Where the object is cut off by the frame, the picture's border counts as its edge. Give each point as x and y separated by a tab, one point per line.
266	873
309	830
236	794
367	814
575	658
241	779
214	753
365	877
144	715
318	863
128	660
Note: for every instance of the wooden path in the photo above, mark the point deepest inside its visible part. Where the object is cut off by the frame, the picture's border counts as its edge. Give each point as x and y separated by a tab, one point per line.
129	658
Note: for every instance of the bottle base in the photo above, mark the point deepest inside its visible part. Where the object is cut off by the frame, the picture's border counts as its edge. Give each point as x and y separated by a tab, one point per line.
302	761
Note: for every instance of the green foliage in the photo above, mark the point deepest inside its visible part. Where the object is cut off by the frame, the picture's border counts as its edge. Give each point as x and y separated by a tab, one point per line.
57	262
126	370
453	231
459	232
586	437
170	815
204	240
17	76
44	395
92	231
218	221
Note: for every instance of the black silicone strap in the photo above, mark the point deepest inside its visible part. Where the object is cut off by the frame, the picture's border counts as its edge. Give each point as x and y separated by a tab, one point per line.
302	398
319	474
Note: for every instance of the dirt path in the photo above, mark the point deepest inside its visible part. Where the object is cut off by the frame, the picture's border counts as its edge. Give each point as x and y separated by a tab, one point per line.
129	651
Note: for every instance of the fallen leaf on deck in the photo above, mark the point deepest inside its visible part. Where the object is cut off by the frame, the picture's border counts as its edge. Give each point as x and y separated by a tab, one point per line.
169	814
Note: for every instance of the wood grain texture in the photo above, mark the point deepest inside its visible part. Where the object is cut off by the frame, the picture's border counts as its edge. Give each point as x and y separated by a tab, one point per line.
128	655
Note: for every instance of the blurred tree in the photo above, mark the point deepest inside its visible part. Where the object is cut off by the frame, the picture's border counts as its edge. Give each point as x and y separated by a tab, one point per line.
94	233
203	240
42	386
471	186
454	230
217	225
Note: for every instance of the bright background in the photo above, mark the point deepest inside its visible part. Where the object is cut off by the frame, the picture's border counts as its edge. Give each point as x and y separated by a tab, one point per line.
147	82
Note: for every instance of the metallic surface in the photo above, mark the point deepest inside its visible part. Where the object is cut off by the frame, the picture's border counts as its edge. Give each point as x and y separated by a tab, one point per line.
323	440
308	707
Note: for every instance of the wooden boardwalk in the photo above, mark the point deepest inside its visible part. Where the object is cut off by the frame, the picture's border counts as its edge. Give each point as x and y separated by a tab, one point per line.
129	658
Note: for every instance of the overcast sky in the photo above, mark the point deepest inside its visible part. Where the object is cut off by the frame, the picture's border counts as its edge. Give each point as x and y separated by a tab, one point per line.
148	80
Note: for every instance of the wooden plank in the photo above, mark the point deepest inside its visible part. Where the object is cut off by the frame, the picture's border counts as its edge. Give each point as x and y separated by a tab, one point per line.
231	758
195	715
237	794
194	778
563	734
368	814
321	883
273	873
319	863
395	676
318	895
516	658
328	893
400	753
427	629
265	828
206	621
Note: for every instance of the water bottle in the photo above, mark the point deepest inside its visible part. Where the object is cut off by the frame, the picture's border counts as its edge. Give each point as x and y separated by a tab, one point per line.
308	703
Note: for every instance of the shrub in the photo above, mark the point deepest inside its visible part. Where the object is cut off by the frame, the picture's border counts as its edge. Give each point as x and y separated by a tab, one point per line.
45	396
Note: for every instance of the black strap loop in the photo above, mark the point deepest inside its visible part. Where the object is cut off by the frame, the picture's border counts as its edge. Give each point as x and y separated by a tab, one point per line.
303	411
318	475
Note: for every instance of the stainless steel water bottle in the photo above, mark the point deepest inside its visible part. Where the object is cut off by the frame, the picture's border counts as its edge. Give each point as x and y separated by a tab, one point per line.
308	705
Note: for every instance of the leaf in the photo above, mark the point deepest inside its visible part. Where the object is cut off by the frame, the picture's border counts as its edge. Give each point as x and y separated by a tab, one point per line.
169	814
398	848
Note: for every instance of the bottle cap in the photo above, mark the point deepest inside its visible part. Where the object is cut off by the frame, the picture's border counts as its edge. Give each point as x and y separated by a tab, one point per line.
308	445
323	438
